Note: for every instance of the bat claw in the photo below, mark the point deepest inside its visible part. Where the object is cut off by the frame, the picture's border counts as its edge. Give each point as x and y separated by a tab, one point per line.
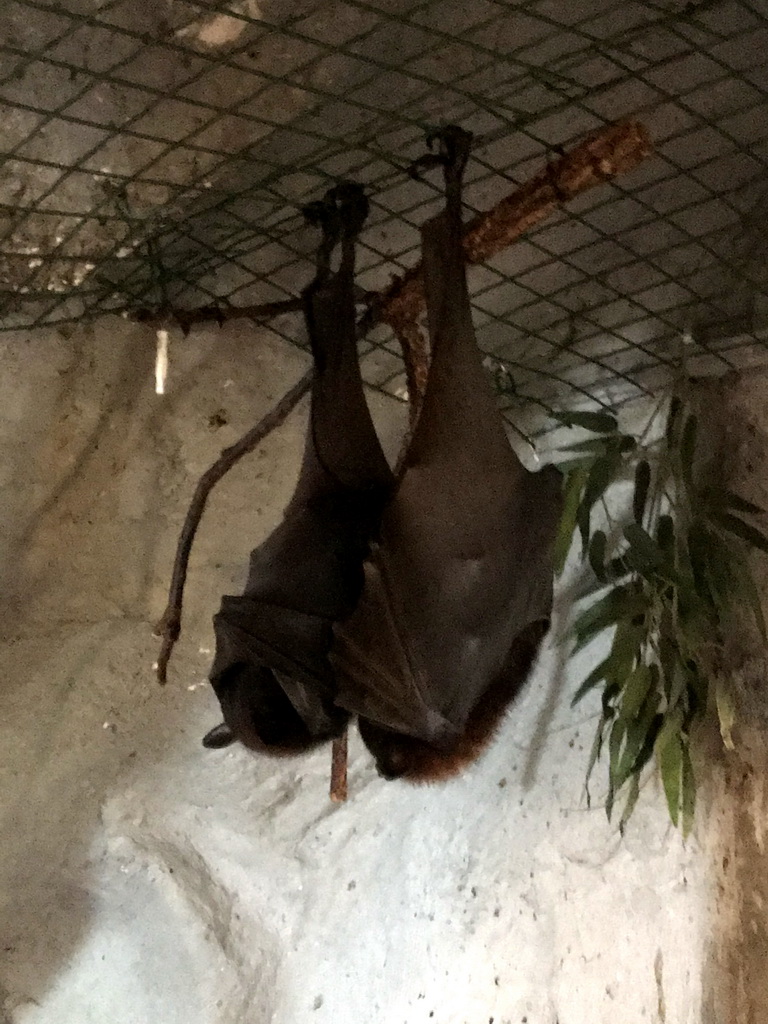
454	145
352	205
340	215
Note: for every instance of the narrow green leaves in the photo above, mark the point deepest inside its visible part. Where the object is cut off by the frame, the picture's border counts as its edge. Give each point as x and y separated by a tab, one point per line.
673	575
744	531
573	488
642	483
624	602
688	449
669	754
597	549
720	498
597	422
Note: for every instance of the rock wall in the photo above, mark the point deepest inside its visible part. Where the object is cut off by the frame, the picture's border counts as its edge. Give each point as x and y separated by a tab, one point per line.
143	878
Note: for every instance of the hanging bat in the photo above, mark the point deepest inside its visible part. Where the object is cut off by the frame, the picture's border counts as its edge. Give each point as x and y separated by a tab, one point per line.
458	587
271	672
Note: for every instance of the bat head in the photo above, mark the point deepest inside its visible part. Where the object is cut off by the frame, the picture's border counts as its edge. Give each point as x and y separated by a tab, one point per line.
258	713
398	756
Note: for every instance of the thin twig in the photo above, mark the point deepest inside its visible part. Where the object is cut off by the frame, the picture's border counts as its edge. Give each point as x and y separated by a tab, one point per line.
169	625
187	318
338	789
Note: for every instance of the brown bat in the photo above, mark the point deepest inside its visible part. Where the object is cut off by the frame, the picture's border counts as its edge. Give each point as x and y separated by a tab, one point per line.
458	588
271	671
429	651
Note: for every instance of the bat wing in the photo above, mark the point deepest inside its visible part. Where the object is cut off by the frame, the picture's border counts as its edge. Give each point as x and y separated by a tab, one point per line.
463	566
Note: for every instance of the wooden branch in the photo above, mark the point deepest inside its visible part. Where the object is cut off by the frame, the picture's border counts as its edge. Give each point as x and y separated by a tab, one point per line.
607	153
188	318
338	791
169	625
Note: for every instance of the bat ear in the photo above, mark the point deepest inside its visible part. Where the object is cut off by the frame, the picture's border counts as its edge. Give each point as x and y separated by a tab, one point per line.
220	736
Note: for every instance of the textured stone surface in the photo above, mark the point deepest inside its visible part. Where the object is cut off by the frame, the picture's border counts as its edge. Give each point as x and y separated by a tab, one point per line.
143	878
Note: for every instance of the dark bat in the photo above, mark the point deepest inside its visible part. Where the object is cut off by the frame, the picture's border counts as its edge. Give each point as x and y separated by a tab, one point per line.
271	672
458	588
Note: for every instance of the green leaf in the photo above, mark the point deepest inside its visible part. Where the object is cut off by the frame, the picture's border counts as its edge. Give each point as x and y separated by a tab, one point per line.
624	602
688	796
743	580
602	473
615	740
688	449
724	584
644	555
649	725
665	534
583	521
743	530
678	683
592	444
698	690
625	649
629	806
617	568
673	418
569	465
573	486
594	678
721	498
634	741
669	751
635	691
670	730
642	483
597	422
597	548
594	756
626	443
699	546
726	712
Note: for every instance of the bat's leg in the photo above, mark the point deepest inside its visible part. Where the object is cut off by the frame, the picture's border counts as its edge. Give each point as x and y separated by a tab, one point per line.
459	428
313	561
342	445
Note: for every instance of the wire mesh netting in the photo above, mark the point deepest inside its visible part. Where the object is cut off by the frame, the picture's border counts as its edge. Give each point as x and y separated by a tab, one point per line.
158	155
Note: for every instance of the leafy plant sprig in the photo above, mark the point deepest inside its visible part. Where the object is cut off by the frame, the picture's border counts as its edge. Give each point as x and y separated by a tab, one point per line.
675	577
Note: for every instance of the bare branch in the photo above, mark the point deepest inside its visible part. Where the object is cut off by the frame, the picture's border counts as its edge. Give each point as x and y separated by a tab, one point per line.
338	791
169	625
607	153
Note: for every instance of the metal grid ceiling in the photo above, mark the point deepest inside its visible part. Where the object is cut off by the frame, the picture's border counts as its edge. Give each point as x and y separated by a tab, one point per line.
160	152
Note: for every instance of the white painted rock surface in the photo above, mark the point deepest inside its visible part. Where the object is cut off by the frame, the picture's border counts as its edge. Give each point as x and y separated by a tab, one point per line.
144	880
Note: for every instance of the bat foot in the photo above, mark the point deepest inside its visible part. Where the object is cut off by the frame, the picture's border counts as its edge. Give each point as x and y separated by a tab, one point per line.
340	215
352	205
341	212
454	145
